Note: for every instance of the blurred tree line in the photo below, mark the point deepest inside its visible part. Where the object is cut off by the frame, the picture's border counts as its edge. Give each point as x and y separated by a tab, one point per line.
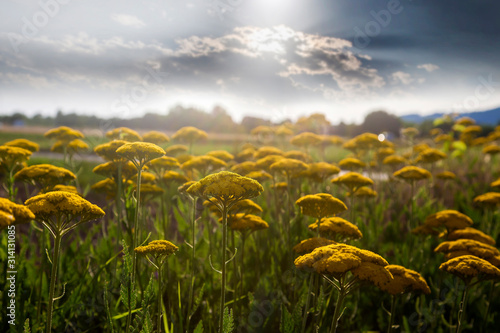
218	120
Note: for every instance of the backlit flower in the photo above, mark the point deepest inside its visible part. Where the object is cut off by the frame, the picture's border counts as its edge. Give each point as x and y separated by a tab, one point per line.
430	155
247	223
288	166
140	153
335	226
471	233
123	133
491	150
157	248
320	205
266	151
45	175
353	181
405	280
394	160
297	155
306	139
174	177
244	167
489	199
451	219
458	247
189	134
446	175
155	137
63	133
320	171
307	245
204	164
266	162
14	214
411	173
175	150
351	163
23	143
468	266
11	156
221	154
260	176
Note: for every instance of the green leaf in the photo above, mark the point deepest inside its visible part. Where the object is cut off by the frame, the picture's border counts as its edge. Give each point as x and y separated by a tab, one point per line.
228	321
459	145
147	327
286	323
27	326
106	306
199	327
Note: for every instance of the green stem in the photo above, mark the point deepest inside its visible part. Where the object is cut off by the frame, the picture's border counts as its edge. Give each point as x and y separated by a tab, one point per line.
118	202
223	282
352	206
490	299
136	222
308	300
160	298
235	272
244	236
461	312
193	252
391	316
338	307
53	278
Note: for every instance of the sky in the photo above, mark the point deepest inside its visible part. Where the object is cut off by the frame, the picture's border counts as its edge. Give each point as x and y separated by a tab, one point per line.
276	59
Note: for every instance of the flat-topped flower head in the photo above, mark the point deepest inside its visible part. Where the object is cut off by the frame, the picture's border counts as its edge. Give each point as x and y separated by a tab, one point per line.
336	228
123	133
110	169
383	152
175	150
283	131
245	206
306	139
353	181
204	164
267	151
337	259
163	163
489	200
491	150
225	188
430	155
221	154
443	138
244	167
157	249
24	143
262	130
189	134
319	171
60	203
108	150
496	183
106	186
412	173
351	163
156	137
446	175
394	160
307	245
320	205
367	141
247	223
13	214
297	155
288	166
173	177
376	274
260	176
451	219
410	132
65	188
245	154
471	233
6	219
459	247
10	156
183	188
63	133
424	229
140	153
327	140
465	121
280	186
405	280
364	192
45	175
72	147
265	163
468	267
148	177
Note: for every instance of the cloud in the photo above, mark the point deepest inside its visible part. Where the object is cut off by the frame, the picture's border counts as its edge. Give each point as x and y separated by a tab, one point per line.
401	77
428	67
128	20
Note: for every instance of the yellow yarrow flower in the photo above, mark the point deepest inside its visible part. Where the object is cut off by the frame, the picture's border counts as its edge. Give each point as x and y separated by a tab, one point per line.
320	205
63	133
289	166
175	150
457	247
307	245
465	121
378	275
155	137
297	155
140	153
244	167
318	172
260	176
471	233
337	226
50	207
266	162
267	151
24	143
157	248
411	173
225	188
204	164
430	155
123	133
14	214
45	175
490	199
247	223
11	156
451	219
364	192
221	154
446	175
306	139
353	181
173	177
468	266
394	160
351	163
405	280
189	134
108	150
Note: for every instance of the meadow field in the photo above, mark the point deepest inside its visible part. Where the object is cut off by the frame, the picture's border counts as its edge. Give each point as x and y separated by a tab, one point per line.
280	230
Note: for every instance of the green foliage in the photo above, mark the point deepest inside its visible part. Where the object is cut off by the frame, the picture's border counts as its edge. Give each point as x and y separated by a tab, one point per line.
228	321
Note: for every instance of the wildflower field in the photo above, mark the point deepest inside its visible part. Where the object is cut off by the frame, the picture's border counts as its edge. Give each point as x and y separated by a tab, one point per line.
284	231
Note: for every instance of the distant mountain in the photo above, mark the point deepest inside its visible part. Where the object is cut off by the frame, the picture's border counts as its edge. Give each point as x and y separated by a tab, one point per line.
490	117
